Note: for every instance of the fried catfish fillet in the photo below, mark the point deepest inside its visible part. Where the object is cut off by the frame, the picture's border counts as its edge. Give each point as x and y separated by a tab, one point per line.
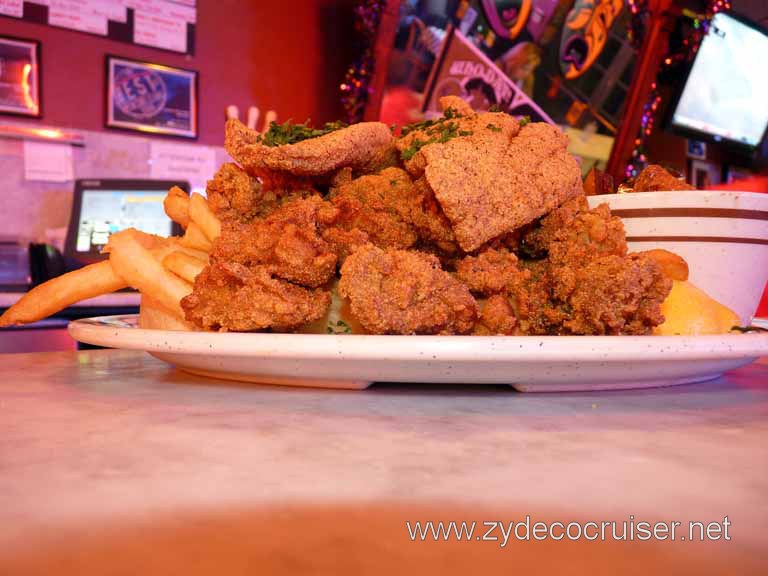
405	292
490	176
363	145
287	243
229	296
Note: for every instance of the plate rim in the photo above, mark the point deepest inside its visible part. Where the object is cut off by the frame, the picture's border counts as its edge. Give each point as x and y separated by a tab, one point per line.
456	348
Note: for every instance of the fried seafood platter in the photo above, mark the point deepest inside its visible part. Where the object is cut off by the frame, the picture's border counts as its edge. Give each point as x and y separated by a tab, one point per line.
468	224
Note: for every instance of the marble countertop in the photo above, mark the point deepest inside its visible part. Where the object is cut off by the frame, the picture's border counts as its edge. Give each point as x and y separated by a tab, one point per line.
105	438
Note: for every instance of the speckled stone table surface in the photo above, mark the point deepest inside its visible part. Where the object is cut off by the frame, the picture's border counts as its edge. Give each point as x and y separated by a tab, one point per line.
93	438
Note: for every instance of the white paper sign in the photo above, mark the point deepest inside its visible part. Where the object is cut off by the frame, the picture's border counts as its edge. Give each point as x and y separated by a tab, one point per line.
13	8
159	31
195	164
47	162
82	15
113	10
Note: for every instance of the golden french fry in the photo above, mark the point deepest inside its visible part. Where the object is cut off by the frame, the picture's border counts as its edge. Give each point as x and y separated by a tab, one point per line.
176	206
58	293
672	265
202	215
195	238
154	316
196	254
184	265
140	268
149	241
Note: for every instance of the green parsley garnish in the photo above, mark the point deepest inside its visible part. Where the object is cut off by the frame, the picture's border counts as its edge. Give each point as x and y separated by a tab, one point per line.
493	128
524	120
449	114
287	133
440	130
340	327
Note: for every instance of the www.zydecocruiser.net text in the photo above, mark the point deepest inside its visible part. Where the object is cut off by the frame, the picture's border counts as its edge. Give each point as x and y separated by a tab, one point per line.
631	530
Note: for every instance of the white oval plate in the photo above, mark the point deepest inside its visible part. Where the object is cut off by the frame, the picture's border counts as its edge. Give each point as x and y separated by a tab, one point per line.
529	363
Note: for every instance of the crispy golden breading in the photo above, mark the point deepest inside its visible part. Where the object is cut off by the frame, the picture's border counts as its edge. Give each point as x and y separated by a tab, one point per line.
432	226
234	195
489	272
611	295
573	233
456	103
654	178
495	180
380	206
358	146
586	284
390	211
405	292
230	296
672	265
467	127
286	243
497	318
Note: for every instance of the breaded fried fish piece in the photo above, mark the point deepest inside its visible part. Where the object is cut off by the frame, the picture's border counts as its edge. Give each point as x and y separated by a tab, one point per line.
357	146
405	292
489	272
489	184
573	233
287	243
229	296
236	196
654	178
378	205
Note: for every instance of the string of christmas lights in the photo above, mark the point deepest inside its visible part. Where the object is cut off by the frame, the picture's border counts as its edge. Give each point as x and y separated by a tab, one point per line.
356	86
690	45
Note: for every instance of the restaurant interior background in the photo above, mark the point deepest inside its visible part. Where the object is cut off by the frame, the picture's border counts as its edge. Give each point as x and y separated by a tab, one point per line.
608	72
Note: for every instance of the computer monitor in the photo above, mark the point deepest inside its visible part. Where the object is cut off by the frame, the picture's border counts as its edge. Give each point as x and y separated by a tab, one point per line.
725	96
102	207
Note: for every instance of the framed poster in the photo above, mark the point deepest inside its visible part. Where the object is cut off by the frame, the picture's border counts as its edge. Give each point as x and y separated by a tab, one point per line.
151	98
19	76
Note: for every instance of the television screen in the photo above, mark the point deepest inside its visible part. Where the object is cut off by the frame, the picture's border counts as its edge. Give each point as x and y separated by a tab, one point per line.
103	212
726	94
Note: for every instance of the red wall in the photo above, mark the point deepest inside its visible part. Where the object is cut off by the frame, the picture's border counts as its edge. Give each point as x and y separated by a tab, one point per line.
289	56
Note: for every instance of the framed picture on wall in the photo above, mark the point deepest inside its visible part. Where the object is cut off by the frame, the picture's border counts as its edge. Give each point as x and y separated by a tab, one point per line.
19	76
151	98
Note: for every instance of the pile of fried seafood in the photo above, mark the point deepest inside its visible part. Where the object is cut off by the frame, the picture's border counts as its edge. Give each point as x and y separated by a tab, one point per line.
467	224
473	223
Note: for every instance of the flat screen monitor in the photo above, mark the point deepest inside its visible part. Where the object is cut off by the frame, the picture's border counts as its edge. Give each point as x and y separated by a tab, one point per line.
726	94
103	207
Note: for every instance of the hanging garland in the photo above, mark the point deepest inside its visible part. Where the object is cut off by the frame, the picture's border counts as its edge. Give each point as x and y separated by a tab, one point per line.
689	47
356	87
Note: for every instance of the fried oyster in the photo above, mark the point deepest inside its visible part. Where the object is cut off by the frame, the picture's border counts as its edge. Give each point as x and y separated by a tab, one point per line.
405	292
232	297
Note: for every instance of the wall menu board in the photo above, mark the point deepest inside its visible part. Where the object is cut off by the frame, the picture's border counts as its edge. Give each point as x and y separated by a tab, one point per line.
166	24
